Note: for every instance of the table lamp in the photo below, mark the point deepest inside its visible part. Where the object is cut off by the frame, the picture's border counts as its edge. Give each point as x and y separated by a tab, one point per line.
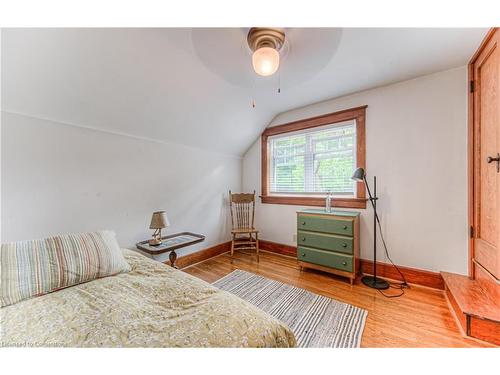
159	220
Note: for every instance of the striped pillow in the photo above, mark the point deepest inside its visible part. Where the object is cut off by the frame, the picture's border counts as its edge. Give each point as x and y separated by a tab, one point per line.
36	267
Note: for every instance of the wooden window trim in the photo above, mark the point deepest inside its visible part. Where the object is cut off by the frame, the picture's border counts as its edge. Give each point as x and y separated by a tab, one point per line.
358	114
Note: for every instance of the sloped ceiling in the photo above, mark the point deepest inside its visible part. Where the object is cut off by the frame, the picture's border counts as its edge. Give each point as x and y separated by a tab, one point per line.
196	86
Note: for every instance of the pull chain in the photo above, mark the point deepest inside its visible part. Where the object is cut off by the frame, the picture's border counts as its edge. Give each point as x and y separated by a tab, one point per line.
253	92
254	104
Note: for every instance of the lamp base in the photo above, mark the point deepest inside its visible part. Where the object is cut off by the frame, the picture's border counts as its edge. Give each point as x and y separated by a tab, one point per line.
154	242
375	282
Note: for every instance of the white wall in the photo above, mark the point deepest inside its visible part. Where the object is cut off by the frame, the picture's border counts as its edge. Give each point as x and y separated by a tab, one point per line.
416	145
58	178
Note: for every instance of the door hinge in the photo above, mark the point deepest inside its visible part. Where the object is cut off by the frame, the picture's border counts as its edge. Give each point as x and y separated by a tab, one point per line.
471	231
472	86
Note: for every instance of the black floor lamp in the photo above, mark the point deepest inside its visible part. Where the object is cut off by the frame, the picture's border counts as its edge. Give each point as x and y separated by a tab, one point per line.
371	281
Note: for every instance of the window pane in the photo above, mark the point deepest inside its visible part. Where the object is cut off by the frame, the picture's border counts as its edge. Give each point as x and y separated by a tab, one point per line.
288	164
289	175
315	161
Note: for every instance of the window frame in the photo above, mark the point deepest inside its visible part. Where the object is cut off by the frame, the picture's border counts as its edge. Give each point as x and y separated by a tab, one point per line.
359	201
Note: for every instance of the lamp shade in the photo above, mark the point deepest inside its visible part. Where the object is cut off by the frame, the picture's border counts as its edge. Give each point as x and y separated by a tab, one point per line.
358	175
159	220
266	61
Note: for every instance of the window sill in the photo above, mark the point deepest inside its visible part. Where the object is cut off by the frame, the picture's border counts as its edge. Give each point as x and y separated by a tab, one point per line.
313	201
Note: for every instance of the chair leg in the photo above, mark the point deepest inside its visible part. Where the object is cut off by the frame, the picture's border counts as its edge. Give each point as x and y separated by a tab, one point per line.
257	245
232	249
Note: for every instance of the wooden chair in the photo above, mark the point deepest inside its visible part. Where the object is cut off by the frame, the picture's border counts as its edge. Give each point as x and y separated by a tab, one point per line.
245	236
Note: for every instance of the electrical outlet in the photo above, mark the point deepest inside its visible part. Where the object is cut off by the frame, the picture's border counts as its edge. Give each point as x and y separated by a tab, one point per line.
294	237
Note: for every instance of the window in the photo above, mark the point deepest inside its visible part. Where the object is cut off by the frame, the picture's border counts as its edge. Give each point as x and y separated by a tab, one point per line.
304	160
314	162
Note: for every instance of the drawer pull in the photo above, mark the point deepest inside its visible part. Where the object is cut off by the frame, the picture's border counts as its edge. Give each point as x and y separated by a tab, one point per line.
303	223
344	245
303	239
344	263
304	254
345	227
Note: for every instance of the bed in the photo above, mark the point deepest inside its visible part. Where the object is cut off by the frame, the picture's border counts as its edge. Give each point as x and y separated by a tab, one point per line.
153	305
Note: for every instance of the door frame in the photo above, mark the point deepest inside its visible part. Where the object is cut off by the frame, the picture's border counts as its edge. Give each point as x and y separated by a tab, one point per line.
471	148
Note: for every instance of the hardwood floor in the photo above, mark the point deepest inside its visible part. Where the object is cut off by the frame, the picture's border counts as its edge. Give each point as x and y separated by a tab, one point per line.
421	318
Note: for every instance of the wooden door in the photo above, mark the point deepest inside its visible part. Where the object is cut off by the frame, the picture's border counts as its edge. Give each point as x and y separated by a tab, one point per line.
485	95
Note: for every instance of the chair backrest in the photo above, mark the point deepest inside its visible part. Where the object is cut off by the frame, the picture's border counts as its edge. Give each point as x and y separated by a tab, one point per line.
242	209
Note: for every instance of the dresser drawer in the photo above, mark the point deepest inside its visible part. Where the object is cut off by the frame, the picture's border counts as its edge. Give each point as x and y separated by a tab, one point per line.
325	258
331	242
325	224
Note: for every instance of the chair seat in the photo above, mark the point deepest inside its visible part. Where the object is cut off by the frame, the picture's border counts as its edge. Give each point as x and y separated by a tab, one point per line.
244	230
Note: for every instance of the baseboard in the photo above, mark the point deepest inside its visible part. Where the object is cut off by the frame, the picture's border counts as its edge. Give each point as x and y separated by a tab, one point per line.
278	248
200	256
412	275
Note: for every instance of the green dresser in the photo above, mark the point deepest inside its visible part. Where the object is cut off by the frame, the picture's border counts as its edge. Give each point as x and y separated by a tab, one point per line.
329	241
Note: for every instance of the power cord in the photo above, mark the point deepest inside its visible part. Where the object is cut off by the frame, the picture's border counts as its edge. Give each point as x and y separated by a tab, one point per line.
400	286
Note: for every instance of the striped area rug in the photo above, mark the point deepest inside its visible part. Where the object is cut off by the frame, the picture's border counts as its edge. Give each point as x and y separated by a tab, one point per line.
316	321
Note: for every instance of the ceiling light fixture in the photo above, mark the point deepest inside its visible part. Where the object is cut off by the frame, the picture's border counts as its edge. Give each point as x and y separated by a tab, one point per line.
265	43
